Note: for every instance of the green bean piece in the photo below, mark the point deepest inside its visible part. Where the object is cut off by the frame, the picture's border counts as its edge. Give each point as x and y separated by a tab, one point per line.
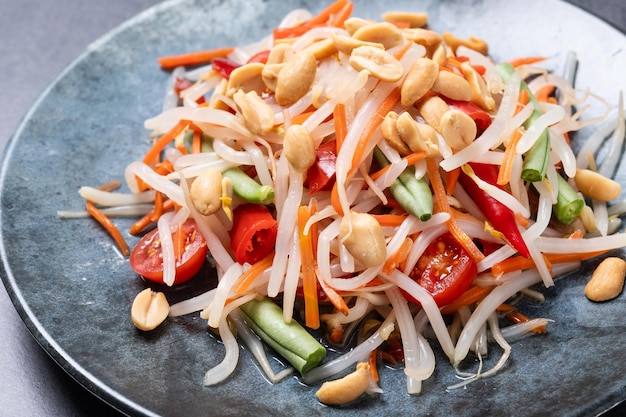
248	189
290	340
411	193
569	203
536	160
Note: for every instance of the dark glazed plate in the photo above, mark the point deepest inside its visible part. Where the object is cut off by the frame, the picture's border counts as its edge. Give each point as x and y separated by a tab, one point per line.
74	290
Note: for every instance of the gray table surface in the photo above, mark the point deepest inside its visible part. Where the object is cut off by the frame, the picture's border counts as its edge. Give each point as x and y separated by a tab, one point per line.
38	38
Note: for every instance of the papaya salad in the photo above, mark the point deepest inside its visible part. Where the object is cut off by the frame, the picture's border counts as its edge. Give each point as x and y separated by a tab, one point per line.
373	186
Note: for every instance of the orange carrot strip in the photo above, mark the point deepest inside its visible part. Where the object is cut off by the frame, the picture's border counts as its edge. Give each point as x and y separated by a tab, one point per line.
335	299
142	223
163	141
528	60
313	230
108	225
521	220
442	201
321	19
372	363
334	200
179	242
196	144
340	17
451	179
517	263
323	16
522	100
516	317
252	273
341	124
300	118
543	94
158	206
385	107
504	175
470	296
193	58
400	52
411	159
392	220
309	279
396	259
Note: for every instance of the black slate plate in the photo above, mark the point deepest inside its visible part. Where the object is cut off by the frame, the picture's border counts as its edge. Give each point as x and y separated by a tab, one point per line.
74	290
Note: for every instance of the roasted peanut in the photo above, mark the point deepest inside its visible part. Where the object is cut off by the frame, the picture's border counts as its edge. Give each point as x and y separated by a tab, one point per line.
452	86
389	131
275	62
215	101
432	110
206	190
355	23
588	219
480	92
346	389
381	32
364	240
378	62
457	129
415	20
247	78
299	148
258	117
440	54
346	44
418	137
597	186
149	309
607	280
418	81
321	49
295	78
472	42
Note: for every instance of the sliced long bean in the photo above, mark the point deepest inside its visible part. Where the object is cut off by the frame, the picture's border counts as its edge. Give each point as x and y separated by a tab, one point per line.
247	188
569	203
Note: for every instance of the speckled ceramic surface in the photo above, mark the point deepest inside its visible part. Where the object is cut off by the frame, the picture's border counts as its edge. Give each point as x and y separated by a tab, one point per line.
74	290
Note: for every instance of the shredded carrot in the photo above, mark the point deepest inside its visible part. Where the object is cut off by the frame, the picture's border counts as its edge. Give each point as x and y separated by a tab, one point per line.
142	223
108	225
313	229
400	52
517	263
160	144
323	18
411	159
252	273
385	107
517	318
504	175
300	118
334	200
392	220
577	234
442	201
164	168
470	296
399	257
335	299
451	179
196	144
340	17
158	206
543	94
372	364
522	100
193	58
521	220
528	60
179	242
341	124
309	279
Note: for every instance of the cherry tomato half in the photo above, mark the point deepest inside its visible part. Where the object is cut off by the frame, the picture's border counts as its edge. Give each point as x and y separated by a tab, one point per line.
445	270
146	258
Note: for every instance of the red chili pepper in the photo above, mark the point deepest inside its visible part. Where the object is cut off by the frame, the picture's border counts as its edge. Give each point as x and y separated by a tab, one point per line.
321	175
500	216
481	117
254	231
181	84
260	57
224	66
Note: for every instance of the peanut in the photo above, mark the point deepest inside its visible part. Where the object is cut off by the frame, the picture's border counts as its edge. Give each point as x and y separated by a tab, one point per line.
381	32
355	23
457	129
597	186
607	280
480	92
346	389
378	62
299	148
588	219
247	78
415	20
452	86
417	136
472	42
420	78
149	309
321	49
295	78
427	38
365	240
432	110
258	117
389	130
206	190
275	62
346	44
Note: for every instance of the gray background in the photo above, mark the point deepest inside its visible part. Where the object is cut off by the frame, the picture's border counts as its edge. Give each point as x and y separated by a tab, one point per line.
38	38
